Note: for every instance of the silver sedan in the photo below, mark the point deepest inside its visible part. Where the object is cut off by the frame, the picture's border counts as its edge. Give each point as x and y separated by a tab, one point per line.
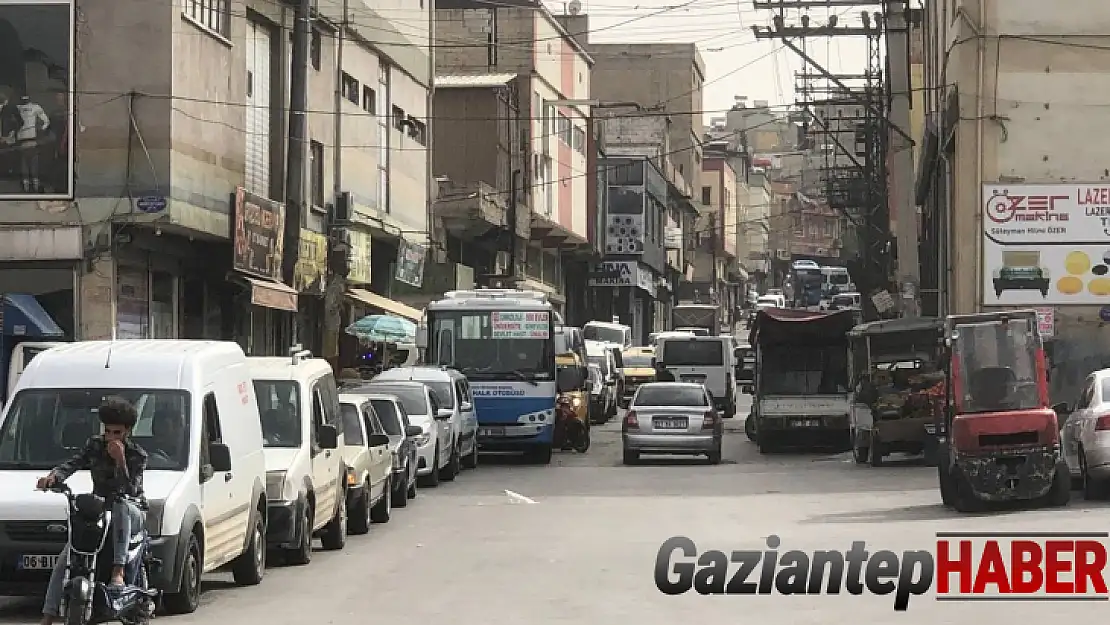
671	418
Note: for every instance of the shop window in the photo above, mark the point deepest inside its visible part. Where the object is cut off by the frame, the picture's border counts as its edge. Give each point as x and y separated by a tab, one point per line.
163	322
132	303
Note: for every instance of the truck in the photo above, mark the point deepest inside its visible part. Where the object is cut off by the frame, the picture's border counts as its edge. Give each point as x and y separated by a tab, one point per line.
695	317
801	394
504	342
26	330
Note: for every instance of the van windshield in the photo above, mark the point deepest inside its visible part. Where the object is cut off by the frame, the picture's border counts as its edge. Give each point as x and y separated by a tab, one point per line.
46	427
279	404
603	334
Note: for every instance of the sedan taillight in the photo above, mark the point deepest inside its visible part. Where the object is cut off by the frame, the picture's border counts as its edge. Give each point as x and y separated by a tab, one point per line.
709	420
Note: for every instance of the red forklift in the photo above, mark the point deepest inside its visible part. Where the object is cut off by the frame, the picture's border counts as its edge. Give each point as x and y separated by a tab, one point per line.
998	439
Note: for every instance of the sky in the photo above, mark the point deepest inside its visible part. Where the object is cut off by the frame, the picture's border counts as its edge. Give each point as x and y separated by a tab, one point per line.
737	64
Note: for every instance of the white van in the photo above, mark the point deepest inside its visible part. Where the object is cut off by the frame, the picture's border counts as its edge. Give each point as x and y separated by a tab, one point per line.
453	392
608	332
206	475
707	360
22	355
306	480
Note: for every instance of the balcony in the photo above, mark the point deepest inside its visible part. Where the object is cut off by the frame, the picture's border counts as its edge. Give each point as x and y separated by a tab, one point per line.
476	211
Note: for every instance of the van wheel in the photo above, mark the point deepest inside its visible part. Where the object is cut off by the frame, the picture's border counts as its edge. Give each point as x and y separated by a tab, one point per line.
302	553
187	599
381	511
471	459
431	480
399	494
449	472
334	536
359	522
250	566
411	492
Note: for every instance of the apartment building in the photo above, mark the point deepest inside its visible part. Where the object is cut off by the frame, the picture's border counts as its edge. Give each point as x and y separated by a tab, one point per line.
524	39
165	215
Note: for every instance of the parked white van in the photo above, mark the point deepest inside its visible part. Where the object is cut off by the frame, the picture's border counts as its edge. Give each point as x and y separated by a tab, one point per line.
453	392
305	478
205	479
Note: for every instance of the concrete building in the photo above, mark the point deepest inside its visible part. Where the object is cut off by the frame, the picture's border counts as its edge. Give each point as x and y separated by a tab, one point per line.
172	222
718	193
523	38
1015	93
677	73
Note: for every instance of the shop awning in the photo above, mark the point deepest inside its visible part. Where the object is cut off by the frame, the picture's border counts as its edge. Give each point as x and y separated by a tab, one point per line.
386	304
22	315
272	294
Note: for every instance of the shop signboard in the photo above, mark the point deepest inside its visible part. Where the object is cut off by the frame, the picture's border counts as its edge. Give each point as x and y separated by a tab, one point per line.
36	104
312	262
259	235
623	273
410	263
520	325
1046	244
358	258
1046	321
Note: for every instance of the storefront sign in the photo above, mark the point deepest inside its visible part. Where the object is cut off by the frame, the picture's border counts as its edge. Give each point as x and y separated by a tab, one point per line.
520	325
1046	322
36	107
358	258
627	273
410	263
259	235
312	262
1046	244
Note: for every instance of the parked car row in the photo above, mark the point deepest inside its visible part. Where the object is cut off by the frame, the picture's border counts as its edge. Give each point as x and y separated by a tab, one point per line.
250	459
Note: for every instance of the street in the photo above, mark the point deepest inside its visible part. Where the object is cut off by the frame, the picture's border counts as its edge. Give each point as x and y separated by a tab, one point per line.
577	540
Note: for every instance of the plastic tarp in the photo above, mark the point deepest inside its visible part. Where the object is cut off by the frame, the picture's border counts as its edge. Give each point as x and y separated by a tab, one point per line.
24	316
788	326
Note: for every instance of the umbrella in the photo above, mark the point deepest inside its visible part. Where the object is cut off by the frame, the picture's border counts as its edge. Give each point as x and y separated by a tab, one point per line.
383	329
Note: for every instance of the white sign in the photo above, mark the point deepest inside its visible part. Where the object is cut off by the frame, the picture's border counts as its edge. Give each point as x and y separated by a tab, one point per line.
627	273
1046	244
521	325
1046	322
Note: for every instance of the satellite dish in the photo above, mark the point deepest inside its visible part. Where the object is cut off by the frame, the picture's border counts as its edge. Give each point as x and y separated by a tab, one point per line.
575	7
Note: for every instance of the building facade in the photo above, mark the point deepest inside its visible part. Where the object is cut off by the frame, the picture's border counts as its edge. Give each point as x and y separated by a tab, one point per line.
166	215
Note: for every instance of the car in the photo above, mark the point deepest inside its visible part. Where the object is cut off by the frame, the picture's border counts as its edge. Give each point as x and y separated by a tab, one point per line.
453	393
671	418
1085	436
205	480
305	476
403	436
638	369
369	463
433	446
602	398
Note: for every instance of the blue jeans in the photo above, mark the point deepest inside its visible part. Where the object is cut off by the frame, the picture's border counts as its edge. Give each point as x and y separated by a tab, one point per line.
127	521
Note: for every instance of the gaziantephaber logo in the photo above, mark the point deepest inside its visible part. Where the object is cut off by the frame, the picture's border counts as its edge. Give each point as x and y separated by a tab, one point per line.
1042	566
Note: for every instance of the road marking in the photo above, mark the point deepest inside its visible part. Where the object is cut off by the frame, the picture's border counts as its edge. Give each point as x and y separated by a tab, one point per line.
518	498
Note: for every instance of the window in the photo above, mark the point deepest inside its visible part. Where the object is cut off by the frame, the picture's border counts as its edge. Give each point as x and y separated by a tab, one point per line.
314	50
352	429
418	132
399	118
388	415
578	141
707	196
318	417
369	100
331	401
371	420
563	129
444	393
212	433
279	404
316	164
693	353
350	88
672	395
213	15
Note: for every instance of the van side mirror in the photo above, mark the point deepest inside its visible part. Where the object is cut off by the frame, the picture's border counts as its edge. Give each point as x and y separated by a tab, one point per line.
328	436
422	337
444	414
378	440
412	431
466	406
219	457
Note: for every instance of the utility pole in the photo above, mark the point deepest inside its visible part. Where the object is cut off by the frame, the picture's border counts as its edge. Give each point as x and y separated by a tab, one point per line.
901	157
297	153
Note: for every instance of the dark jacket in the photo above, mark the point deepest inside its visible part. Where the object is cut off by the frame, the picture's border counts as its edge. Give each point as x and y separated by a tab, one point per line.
107	478
664	375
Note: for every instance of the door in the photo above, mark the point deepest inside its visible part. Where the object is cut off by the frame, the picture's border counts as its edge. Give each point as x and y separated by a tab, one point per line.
1073	427
223	518
381	458
443	430
1085	424
325	463
469	415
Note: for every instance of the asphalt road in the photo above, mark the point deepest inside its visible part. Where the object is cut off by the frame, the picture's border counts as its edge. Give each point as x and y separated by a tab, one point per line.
576	542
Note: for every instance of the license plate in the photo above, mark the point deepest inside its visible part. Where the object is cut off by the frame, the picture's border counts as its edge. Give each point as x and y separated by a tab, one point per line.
491	431
806	423
37	563
930	429
670	424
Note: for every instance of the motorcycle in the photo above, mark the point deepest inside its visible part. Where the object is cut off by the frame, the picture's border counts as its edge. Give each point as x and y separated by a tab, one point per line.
570	431
85	599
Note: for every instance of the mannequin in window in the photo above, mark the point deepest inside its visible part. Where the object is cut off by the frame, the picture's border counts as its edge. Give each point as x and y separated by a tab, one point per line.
34	123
